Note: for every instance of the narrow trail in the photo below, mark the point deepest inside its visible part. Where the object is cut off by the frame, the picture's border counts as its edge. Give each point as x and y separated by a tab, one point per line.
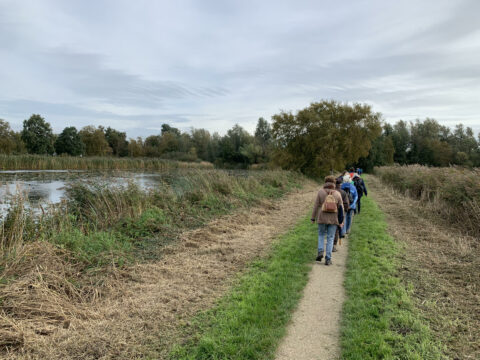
314	333
141	315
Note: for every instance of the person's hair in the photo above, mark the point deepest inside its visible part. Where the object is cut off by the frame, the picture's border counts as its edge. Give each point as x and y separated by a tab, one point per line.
330	179
352	169
338	182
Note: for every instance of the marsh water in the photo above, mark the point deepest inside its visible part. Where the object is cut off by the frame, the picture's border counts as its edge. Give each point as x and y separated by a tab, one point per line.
45	187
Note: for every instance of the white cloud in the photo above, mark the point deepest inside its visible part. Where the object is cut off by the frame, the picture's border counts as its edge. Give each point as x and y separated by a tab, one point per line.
133	65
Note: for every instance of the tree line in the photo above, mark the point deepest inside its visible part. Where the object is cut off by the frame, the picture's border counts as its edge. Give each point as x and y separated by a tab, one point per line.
236	148
324	136
424	142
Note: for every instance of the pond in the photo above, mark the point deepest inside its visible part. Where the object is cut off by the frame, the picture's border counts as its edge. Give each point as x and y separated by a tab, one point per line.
41	188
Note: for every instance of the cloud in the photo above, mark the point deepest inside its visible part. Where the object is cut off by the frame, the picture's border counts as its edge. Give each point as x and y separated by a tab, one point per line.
211	64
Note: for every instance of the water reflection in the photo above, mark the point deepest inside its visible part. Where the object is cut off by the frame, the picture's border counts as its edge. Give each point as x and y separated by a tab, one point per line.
48	187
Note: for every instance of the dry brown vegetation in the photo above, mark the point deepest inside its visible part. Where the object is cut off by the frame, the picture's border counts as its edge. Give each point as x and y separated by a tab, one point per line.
442	264
136	311
453	193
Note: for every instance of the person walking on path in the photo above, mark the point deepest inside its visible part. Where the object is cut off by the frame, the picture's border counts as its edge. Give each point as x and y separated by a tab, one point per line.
328	214
346	204
349	188
361	189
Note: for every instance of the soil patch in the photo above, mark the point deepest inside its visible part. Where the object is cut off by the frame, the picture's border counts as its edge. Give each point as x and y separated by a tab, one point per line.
140	316
443	267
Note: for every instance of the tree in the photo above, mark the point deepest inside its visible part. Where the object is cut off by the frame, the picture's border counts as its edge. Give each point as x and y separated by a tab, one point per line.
263	136
201	140
325	136
136	147
94	140
152	145
69	142
401	141
37	135
117	141
168	129
7	138
230	145
381	152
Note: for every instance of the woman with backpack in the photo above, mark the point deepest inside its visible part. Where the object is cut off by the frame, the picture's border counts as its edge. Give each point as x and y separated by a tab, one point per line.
328	214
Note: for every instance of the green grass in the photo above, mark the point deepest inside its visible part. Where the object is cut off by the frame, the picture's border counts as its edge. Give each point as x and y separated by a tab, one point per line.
249	322
379	317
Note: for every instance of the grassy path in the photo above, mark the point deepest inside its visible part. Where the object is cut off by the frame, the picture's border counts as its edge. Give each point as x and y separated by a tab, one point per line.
250	321
441	265
379	318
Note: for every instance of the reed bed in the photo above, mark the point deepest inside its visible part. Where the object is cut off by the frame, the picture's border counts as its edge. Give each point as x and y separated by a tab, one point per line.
452	192
53	264
39	162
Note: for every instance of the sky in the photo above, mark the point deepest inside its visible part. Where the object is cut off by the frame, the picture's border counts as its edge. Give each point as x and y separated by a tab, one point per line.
134	65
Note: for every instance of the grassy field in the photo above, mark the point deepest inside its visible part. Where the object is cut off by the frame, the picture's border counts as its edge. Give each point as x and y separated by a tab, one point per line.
453	193
39	162
251	320
379	318
64	253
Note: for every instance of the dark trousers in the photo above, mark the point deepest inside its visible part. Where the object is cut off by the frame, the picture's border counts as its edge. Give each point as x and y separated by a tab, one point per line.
357	210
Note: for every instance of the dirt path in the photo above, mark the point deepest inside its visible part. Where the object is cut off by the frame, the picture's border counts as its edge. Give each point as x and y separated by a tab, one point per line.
314	333
443	267
142	313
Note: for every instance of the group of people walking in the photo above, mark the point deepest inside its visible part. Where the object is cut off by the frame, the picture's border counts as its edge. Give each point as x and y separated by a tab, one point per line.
335	206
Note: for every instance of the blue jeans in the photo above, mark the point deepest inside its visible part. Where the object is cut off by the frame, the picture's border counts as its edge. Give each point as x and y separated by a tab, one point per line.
329	230
348	220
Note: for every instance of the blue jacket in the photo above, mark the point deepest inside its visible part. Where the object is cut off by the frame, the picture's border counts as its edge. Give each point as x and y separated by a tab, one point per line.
353	191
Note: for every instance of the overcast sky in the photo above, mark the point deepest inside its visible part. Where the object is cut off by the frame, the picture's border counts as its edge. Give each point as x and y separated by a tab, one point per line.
134	65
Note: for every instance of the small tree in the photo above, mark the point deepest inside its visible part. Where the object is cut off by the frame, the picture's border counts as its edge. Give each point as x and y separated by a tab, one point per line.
37	135
263	136
7	138
117	141
94	140
69	142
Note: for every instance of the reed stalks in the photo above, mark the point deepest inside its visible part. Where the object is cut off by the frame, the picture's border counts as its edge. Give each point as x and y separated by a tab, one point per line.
452	192
43	162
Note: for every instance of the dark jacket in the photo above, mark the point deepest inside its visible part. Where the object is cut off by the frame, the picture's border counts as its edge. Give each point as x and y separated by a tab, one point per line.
346	202
360	186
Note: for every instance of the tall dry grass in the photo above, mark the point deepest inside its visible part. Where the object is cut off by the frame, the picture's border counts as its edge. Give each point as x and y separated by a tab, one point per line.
53	264
453	193
41	162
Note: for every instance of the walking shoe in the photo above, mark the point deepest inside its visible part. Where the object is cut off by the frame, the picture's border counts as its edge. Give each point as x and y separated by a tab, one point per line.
319	257
328	262
334	248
